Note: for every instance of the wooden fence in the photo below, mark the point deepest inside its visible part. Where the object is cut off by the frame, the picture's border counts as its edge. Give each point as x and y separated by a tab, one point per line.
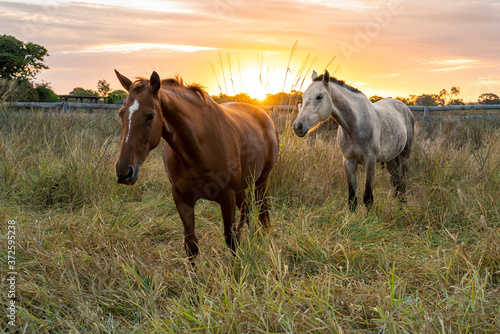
430	118
64	106
426	116
427	111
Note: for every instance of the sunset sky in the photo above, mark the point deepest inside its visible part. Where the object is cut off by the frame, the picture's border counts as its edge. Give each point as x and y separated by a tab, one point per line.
387	48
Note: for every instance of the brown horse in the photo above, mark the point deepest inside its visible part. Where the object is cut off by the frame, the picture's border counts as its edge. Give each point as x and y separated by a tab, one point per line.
212	151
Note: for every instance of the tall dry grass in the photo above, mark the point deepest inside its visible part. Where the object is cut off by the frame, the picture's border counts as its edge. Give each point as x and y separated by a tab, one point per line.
96	257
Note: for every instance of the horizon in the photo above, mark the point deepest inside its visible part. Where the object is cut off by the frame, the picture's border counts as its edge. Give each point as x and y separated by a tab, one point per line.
396	48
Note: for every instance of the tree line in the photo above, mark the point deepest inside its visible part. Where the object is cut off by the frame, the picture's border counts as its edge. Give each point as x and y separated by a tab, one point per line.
20	62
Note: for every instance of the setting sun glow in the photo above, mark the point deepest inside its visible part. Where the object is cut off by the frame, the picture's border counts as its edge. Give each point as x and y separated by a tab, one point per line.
229	47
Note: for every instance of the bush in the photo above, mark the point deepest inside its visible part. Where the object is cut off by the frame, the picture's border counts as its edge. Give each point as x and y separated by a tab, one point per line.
23	90
6	88
45	93
116	95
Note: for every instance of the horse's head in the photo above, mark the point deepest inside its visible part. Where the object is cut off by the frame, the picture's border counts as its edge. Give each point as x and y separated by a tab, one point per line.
141	121
316	107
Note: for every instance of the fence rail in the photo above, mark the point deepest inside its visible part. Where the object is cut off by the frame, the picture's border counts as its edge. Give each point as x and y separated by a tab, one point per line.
457	107
64	106
427	115
71	106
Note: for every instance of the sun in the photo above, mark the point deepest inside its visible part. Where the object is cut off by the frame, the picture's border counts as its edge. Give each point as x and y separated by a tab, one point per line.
258	93
249	81
252	84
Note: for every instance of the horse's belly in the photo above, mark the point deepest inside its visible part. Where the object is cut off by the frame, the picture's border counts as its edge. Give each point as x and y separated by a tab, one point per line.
391	145
209	185
212	182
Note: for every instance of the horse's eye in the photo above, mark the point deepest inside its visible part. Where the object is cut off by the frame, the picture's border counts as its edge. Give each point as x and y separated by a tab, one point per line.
319	96
150	117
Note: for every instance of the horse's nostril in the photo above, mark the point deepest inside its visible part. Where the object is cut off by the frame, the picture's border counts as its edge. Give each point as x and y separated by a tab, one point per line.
297	126
130	173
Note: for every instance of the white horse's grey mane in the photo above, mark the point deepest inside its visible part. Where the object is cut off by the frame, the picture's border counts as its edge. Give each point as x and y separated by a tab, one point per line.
341	83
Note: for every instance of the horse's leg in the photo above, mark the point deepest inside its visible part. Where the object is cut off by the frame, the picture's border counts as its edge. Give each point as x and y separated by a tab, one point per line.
404	161
185	207
394	171
261	202
227	204
398	168
370	167
242	204
351	168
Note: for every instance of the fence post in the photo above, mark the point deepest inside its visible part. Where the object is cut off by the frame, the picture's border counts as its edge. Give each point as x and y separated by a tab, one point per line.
427	114
65	107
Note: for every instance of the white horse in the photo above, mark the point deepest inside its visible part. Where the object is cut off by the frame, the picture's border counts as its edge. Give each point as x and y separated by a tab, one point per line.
368	132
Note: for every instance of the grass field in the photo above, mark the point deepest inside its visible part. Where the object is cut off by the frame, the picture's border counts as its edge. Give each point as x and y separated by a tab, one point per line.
97	257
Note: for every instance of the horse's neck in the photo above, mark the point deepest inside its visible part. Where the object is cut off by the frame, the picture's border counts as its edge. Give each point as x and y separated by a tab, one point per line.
183	128
349	107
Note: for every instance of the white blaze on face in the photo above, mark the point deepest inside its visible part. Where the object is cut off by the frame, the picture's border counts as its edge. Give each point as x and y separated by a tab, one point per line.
133	108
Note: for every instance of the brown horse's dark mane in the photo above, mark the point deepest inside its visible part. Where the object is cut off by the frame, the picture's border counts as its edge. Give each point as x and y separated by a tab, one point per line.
174	83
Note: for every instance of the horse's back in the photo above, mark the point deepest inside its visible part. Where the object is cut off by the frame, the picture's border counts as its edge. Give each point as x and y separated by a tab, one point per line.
248	117
394	112
245	112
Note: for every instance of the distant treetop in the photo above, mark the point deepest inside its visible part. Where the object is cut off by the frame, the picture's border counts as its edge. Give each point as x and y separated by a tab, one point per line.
19	60
488	98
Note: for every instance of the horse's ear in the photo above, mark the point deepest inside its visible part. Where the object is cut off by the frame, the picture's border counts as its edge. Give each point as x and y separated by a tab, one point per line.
126	83
326	78
314	75
155	82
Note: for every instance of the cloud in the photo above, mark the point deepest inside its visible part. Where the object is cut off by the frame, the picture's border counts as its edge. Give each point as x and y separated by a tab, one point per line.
485	82
452	62
138	47
456	68
423	44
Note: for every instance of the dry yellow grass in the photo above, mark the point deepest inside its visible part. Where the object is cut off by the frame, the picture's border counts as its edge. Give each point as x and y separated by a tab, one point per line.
96	257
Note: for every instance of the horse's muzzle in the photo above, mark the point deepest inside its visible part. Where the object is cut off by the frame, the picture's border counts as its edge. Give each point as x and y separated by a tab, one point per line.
127	175
299	129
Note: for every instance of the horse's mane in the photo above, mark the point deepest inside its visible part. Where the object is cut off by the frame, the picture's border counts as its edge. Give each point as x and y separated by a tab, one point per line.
175	83
341	83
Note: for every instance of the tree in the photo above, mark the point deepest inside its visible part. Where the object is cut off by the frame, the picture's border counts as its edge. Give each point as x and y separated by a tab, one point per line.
376	98
79	91
488	98
428	100
283	98
83	92
241	97
117	95
103	88
19	60
456	102
409	101
447	97
244	97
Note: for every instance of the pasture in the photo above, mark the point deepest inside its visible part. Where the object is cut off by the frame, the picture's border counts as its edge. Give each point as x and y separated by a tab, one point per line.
97	257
